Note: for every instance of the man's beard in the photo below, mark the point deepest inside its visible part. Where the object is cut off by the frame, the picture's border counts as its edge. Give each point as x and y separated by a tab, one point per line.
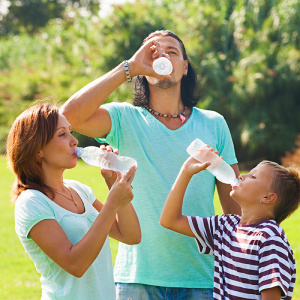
165	83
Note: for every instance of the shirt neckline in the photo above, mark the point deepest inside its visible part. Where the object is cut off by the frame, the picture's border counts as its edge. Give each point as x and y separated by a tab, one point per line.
146	112
71	212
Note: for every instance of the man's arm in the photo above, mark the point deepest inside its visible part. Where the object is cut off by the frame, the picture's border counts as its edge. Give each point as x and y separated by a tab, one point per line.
83	110
229	206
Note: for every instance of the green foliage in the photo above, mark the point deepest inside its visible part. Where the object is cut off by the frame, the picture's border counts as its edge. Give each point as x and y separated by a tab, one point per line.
29	16
246	54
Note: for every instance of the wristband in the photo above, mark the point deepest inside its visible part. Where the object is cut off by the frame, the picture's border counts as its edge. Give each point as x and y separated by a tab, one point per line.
127	73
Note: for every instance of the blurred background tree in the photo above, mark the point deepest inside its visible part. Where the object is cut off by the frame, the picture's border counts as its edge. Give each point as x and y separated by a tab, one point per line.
31	15
246	54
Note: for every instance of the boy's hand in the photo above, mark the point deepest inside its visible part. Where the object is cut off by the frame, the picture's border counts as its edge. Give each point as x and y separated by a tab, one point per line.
192	166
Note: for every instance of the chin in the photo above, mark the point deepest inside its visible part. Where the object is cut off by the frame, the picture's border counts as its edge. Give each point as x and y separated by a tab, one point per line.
72	165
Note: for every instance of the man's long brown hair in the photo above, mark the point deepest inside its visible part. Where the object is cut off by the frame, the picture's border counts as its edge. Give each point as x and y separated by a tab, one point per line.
30	132
190	95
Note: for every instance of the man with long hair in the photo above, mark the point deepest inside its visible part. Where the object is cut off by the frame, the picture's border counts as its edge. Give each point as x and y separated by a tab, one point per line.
156	131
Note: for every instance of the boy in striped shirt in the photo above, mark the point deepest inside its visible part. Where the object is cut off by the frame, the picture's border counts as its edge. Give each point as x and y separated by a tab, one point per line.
253	259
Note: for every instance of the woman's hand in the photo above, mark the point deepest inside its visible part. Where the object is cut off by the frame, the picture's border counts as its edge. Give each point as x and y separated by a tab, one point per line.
120	193
109	175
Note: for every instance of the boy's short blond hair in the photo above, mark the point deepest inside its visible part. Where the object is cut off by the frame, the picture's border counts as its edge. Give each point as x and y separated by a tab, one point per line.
286	184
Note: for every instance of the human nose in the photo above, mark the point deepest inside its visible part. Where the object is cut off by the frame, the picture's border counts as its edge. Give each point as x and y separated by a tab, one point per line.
74	141
241	178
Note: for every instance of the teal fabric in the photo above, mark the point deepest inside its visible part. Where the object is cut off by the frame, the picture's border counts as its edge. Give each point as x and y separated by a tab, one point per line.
97	283
166	258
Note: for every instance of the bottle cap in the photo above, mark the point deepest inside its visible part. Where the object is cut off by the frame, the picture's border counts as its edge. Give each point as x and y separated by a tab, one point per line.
235	182
78	151
162	66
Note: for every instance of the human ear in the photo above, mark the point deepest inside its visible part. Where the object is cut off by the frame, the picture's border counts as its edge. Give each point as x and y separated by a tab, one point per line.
186	67
269	199
40	154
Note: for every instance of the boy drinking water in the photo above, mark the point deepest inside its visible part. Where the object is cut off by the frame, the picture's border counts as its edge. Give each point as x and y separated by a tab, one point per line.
253	259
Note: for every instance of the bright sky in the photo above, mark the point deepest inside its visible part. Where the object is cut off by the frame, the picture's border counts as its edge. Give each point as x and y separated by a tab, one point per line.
106	6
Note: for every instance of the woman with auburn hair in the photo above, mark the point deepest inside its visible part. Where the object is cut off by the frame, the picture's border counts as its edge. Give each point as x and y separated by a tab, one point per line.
62	226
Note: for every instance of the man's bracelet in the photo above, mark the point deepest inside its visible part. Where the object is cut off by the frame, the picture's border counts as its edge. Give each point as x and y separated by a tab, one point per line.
127	73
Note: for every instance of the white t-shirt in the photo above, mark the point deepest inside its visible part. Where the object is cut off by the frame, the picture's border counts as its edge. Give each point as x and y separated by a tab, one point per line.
97	283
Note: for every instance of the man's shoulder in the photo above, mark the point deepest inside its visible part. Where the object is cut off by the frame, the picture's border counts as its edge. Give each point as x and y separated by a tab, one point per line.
210	114
120	105
121	108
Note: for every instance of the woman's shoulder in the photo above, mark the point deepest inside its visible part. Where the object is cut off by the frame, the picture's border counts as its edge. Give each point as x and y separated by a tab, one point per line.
31	207
30	196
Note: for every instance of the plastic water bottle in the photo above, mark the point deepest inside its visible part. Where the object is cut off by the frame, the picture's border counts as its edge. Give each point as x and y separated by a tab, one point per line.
107	160
218	167
162	66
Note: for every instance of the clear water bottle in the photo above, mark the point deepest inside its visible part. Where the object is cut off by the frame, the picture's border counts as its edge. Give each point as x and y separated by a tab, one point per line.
107	160
162	66
218	167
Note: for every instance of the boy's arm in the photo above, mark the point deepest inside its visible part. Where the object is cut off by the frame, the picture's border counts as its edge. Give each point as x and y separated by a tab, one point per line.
171	216
271	294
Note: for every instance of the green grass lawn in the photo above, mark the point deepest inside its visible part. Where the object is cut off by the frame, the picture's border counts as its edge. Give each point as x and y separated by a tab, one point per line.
19	279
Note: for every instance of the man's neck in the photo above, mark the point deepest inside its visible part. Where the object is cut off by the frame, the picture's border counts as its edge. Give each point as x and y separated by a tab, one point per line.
166	101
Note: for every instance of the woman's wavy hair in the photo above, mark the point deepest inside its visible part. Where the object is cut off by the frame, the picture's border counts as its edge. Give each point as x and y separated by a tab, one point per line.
189	94
30	132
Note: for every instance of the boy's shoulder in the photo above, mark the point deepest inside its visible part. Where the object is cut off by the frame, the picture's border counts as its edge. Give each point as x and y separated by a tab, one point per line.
270	230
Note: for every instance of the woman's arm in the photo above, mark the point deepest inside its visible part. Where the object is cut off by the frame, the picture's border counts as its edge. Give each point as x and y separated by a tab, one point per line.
171	216
126	226
76	259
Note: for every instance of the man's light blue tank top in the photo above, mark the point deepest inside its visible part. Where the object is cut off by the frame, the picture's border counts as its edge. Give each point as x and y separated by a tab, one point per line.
164	257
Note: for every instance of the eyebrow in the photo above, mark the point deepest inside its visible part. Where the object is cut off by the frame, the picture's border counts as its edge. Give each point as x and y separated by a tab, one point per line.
172	47
64	127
